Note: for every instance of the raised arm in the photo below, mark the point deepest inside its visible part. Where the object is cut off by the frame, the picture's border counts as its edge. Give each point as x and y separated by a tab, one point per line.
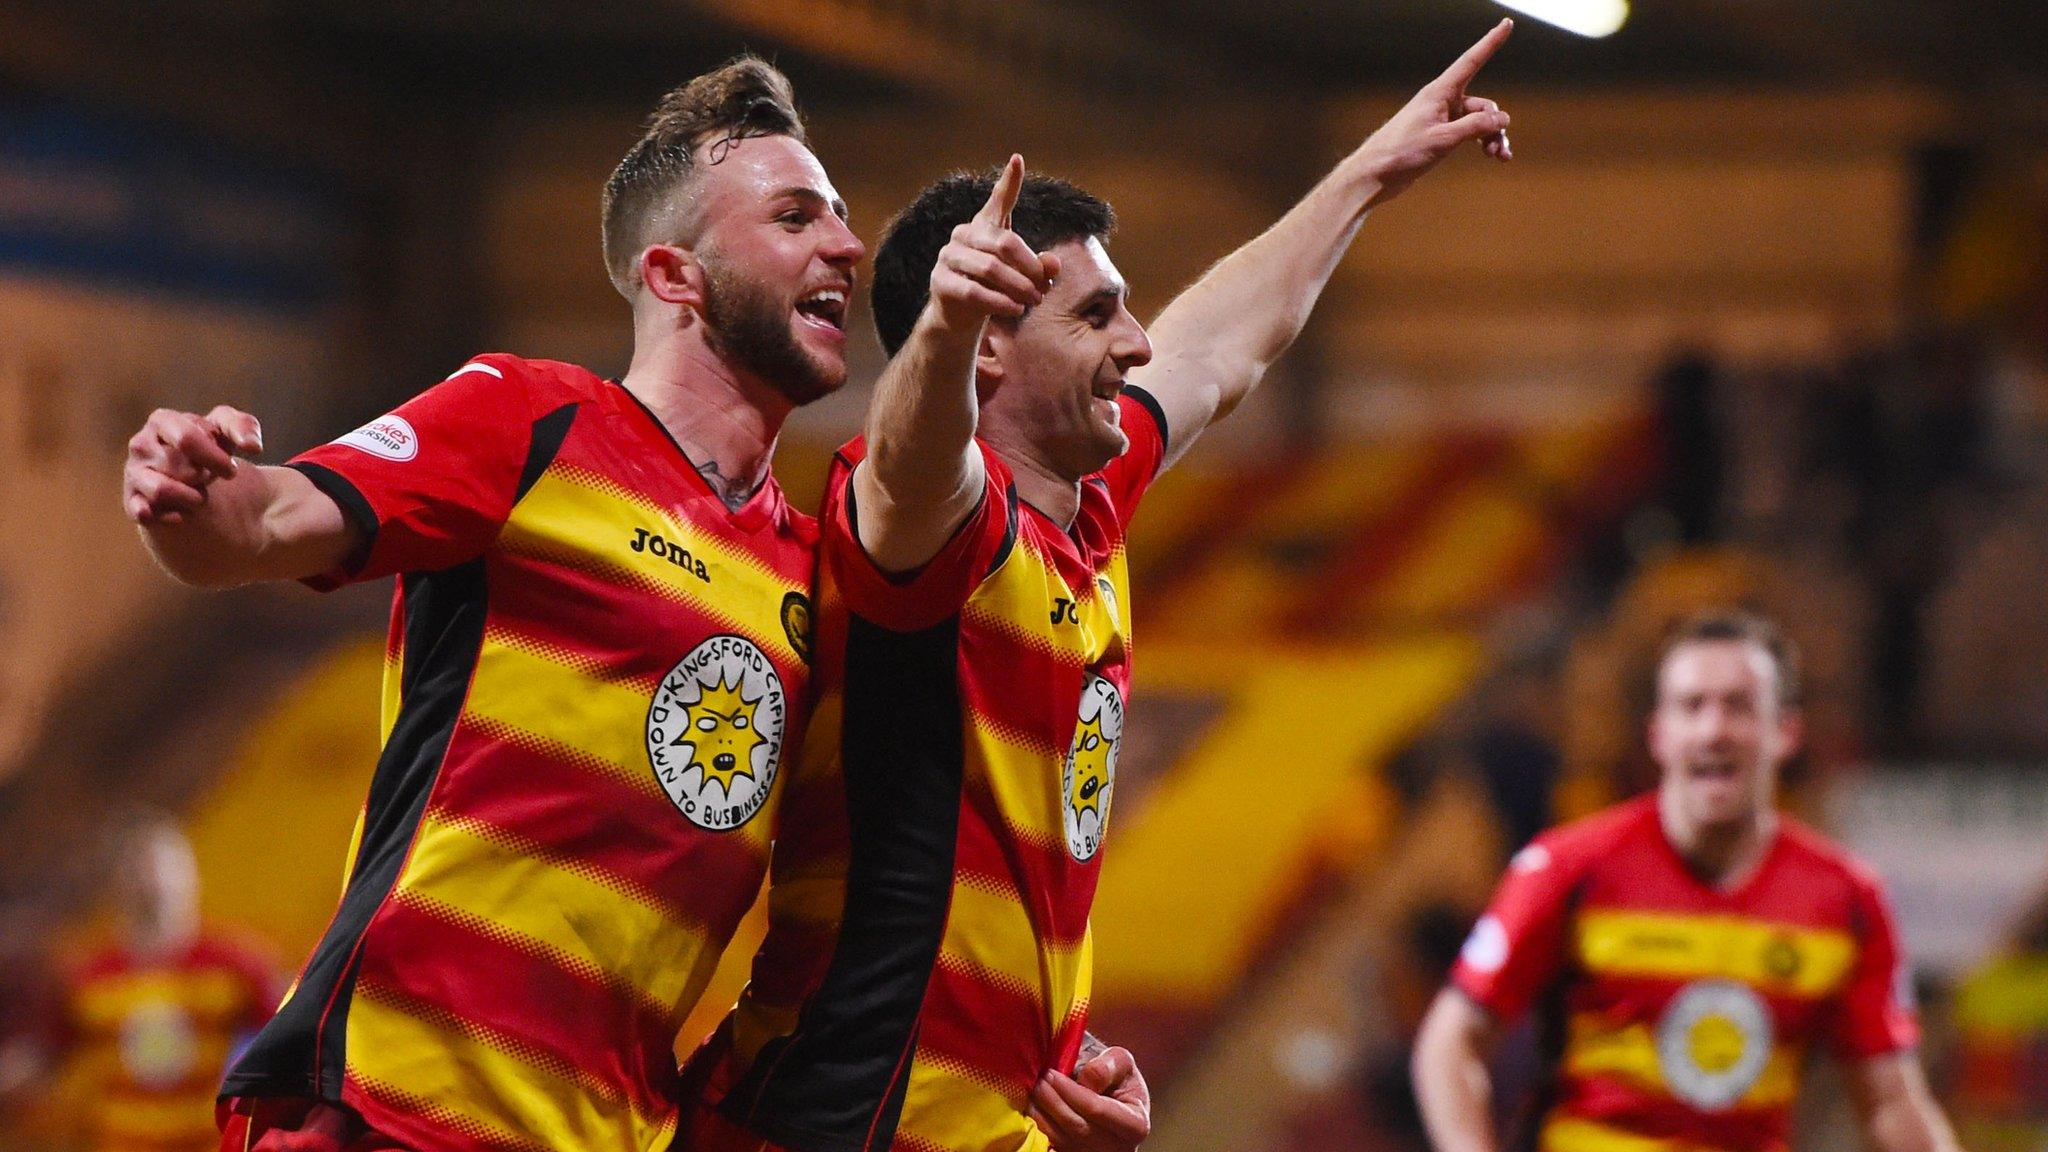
1898	1112
923	476
212	520
1452	1087
1216	340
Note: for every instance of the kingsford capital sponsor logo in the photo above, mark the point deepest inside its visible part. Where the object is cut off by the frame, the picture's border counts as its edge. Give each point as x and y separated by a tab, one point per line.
1713	1043
714	732
1089	774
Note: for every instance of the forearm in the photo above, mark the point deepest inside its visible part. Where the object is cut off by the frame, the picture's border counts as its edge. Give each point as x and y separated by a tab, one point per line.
1452	1088
1910	1123
1898	1110
260	524
1245	312
921	422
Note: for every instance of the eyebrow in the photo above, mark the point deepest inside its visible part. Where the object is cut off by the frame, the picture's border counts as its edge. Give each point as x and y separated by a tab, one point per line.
1110	293
811	197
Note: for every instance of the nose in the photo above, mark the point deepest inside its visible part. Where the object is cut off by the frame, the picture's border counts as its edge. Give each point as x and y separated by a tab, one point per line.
842	248
1132	347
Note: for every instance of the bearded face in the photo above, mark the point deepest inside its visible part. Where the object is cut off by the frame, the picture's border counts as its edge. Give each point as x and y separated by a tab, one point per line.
753	327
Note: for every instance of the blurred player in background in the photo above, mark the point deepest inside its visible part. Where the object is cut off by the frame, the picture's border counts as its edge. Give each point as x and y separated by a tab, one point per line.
151	1021
943	839
1688	950
598	657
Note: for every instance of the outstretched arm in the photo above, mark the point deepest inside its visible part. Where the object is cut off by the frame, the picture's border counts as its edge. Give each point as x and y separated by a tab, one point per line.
923	476
1449	1067
213	521
1898	1112
1217	339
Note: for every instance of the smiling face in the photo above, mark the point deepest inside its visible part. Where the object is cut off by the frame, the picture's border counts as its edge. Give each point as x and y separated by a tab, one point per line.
1058	371
1720	732
778	263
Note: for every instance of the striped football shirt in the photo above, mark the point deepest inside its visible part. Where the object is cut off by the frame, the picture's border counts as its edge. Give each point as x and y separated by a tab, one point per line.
594	669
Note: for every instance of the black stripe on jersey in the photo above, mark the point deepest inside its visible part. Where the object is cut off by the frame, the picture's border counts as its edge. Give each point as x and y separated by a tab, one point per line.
301	1051
548	433
1009	532
836	1083
1151	404
343	492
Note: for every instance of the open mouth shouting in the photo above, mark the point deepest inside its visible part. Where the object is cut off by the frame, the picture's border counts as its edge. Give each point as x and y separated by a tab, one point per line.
824	309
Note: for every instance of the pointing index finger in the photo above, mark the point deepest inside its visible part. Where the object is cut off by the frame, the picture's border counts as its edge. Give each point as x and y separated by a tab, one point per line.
1465	67
1003	198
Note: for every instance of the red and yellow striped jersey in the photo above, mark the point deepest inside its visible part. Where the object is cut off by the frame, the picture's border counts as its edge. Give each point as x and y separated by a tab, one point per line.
151	1037
928	954
594	669
1679	1016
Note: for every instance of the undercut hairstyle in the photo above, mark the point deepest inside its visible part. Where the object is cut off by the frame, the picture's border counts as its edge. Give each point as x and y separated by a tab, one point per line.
746	98
1049	212
1740	626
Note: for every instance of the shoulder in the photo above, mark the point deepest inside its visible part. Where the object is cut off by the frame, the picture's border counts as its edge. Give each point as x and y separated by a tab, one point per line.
230	947
1578	846
542	384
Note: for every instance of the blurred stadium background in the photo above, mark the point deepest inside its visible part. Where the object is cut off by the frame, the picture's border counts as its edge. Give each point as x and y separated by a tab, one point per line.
1760	313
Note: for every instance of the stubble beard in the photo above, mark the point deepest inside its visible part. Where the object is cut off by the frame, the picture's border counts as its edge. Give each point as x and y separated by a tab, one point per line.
752	330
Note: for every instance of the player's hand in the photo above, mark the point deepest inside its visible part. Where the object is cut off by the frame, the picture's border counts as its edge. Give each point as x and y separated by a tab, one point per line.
177	455
1103	1107
1438	121
986	270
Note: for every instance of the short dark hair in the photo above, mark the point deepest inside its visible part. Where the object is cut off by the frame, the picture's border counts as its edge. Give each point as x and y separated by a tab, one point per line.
1741	626
745	98
1049	211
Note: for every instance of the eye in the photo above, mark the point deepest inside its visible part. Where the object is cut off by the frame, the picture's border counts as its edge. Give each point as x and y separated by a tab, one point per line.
707	724
739	721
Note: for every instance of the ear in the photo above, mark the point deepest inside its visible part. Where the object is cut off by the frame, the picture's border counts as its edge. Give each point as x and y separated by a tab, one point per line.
988	358
1791	733
673	275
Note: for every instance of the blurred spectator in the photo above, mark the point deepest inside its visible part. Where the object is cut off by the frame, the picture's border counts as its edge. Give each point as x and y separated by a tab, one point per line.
2001	1019
152	1019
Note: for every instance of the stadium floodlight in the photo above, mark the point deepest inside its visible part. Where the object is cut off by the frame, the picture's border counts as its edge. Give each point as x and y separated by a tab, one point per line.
1593	18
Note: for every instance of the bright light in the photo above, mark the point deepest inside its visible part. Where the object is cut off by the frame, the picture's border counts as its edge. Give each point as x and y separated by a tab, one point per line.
1595	18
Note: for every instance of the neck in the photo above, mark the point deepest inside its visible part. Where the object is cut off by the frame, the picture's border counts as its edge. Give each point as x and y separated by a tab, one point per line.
1723	855
724	418
1039	485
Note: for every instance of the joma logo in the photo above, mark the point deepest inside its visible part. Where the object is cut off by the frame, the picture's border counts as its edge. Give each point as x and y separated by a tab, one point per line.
654	544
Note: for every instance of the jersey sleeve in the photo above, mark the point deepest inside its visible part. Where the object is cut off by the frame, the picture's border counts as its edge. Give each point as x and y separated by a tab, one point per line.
431	482
911	602
1876	1014
1517	948
1129	475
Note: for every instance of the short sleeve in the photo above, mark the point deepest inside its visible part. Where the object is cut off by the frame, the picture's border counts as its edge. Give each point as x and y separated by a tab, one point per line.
1875	1015
431	482
935	592
1517	947
1129	475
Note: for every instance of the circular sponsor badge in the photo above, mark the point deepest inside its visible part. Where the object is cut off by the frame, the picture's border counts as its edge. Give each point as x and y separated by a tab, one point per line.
1089	775
714	732
1713	1043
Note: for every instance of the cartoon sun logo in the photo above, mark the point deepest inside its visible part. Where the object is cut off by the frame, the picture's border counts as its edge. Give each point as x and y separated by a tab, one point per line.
1090	776
722	734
